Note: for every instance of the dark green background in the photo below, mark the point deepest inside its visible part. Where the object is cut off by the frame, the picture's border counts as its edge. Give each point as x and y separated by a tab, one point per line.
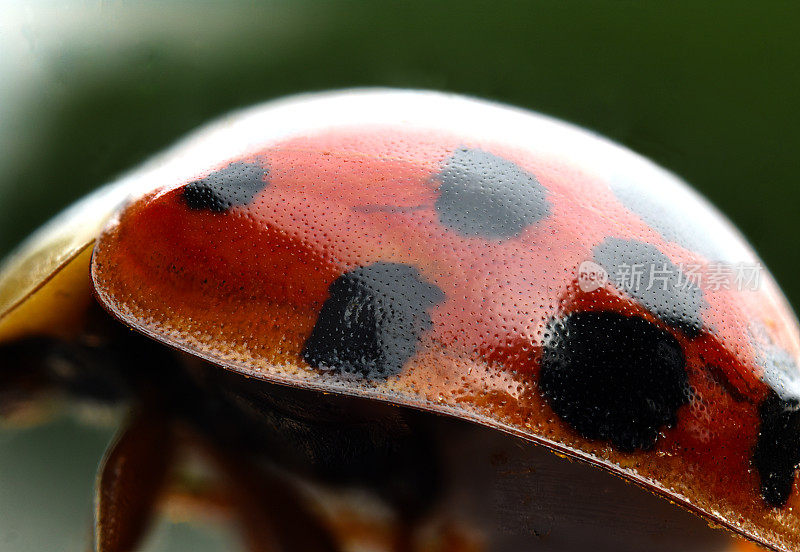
708	89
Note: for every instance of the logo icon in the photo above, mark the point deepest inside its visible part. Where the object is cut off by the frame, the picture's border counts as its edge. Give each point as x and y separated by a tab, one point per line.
591	276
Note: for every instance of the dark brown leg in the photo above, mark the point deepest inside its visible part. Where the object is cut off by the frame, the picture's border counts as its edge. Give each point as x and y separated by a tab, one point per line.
273	515
130	482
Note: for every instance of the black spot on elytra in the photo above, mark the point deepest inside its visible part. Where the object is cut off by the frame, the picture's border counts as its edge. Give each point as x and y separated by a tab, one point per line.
777	452
235	184
613	378
647	275
371	322
482	194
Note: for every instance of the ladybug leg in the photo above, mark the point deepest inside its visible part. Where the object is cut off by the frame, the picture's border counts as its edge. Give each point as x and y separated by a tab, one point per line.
340	443
131	479
272	513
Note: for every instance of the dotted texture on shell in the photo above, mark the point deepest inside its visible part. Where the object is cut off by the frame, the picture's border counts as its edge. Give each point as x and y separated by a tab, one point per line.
644	272
614	378
485	195
430	257
777	453
236	184
370	324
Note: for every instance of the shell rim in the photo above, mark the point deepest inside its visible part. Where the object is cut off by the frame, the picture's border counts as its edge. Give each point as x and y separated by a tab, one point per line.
429	406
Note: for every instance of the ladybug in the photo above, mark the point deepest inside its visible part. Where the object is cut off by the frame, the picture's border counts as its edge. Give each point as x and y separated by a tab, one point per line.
374	314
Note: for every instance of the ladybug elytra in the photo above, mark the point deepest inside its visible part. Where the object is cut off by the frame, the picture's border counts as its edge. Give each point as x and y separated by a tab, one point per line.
372	312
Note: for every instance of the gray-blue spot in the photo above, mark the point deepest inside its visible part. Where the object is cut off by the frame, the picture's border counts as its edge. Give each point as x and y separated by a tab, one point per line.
482	194
646	274
235	184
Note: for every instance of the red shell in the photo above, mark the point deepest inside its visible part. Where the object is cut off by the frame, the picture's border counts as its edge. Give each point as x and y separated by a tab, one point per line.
242	281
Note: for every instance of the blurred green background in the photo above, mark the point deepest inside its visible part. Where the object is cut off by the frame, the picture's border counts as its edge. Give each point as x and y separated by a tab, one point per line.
89	89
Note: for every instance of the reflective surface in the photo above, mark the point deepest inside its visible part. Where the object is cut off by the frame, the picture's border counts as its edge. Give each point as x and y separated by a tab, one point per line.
428	250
